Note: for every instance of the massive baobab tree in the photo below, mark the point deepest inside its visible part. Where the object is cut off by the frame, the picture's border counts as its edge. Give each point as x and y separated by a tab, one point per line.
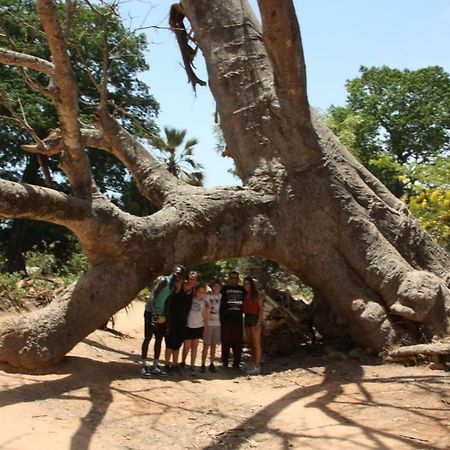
306	202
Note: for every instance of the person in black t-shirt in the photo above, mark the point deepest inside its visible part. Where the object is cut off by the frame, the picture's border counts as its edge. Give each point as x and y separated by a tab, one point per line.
231	319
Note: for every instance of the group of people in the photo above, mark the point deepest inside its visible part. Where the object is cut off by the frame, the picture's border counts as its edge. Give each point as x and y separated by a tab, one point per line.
182	311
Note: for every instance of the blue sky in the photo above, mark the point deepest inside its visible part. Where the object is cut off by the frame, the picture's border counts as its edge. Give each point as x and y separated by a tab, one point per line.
338	37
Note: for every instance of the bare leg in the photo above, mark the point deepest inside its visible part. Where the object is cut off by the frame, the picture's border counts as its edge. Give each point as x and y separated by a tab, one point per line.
249	340
212	355
204	353
256	341
175	354
167	356
186	347
194	345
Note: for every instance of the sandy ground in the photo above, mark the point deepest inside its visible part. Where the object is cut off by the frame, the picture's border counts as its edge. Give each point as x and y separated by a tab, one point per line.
95	399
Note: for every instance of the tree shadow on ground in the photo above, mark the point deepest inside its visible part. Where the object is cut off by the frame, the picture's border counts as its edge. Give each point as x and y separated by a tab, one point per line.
79	373
98	377
99	395
335	377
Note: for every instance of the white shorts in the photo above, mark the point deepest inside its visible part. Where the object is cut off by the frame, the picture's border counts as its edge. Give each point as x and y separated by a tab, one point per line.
212	335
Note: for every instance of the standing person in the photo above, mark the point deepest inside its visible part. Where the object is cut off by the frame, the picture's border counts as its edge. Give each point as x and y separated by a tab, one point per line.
253	310
212	335
196	324
231	319
178	306
155	319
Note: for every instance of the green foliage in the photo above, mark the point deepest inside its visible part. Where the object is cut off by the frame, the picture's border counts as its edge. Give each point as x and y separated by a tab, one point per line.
395	117
93	39
10	286
407	110
397	123
218	269
41	262
429	197
74	266
133	202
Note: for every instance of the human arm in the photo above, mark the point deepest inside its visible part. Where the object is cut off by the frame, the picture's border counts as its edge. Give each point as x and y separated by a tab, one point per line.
158	285
222	304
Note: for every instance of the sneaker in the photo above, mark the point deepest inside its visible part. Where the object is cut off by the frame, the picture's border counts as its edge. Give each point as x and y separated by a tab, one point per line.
212	368
202	368
254	371
156	370
144	372
182	364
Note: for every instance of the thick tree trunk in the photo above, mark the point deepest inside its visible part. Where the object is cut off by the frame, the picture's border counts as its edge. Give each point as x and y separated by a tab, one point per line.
332	223
47	334
306	203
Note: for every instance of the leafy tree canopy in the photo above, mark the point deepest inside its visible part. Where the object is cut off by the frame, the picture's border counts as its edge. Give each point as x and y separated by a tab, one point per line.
429	198
394	117
397	123
103	46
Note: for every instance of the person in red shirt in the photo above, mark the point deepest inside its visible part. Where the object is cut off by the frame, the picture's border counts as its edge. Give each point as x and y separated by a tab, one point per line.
253	310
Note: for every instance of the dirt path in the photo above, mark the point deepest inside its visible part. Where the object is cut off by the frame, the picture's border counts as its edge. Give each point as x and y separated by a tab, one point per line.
95	400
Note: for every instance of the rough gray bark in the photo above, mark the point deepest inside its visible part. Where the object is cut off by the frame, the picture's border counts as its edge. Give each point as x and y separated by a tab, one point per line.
306	202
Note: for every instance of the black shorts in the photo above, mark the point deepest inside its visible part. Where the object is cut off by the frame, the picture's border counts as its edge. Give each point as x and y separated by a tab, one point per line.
174	340
251	320
193	333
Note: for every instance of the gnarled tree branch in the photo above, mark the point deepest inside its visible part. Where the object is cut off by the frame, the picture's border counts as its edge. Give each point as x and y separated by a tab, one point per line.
53	143
153	180
21	200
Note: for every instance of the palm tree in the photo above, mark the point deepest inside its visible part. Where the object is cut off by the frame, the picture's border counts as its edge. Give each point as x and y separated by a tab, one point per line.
179	161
